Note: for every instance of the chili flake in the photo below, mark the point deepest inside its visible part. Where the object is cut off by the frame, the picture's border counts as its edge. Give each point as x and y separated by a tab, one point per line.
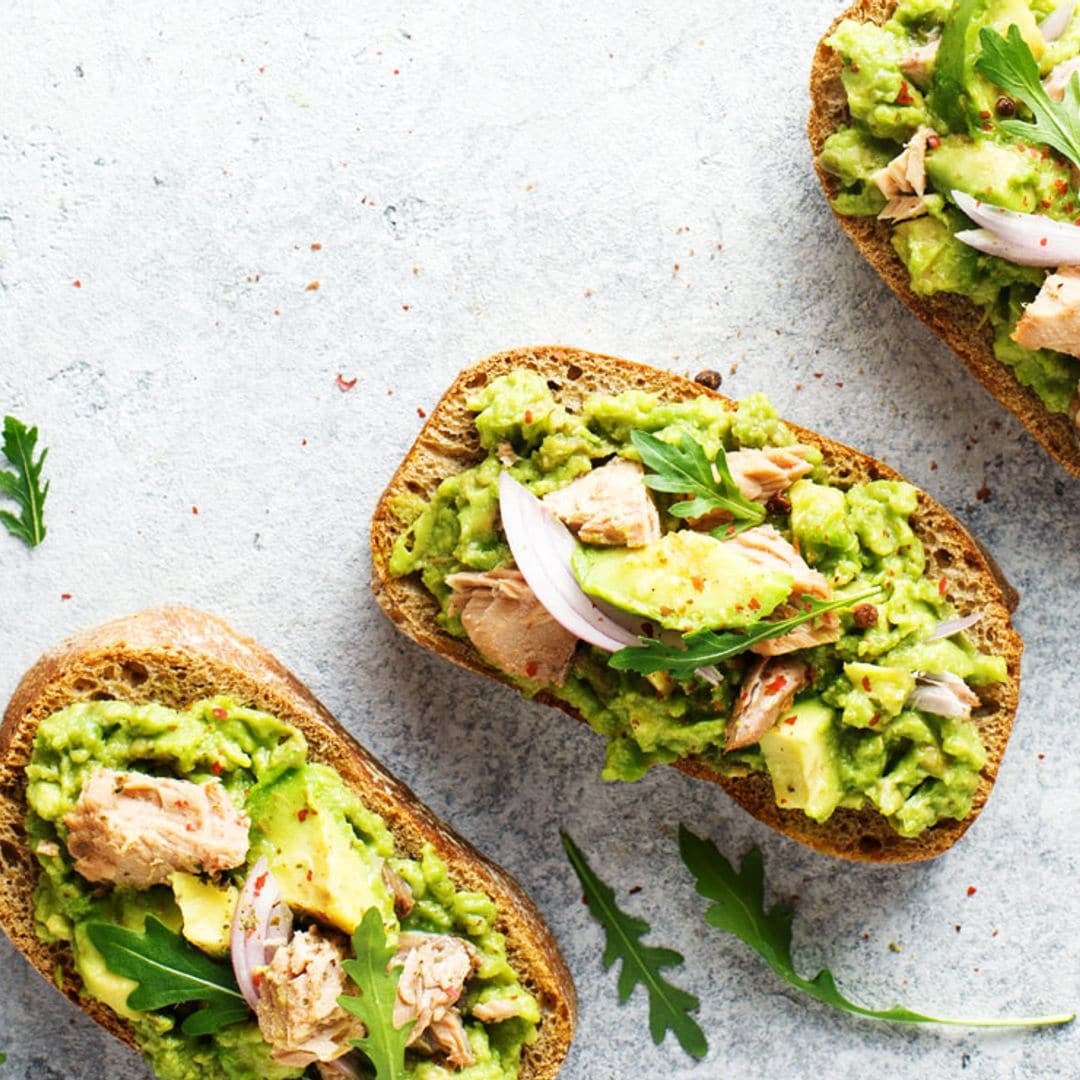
301	815
904	97
344	384
220	713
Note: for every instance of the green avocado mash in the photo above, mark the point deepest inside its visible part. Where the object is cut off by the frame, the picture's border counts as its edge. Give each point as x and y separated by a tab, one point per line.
323	844
855	743
889	98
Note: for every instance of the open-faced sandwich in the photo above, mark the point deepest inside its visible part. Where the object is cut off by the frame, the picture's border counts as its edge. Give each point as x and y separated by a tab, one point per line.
210	866
709	587
946	134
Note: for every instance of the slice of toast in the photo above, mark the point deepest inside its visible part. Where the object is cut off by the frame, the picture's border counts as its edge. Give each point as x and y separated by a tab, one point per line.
448	443
175	656
961	324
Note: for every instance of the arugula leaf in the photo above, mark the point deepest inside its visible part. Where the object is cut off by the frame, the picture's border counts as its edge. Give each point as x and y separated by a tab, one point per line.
383	1044
24	485
170	971
668	1005
739	909
704	647
685	470
1008	63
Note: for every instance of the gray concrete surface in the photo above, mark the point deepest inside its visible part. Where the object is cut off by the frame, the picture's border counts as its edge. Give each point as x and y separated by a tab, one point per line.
628	178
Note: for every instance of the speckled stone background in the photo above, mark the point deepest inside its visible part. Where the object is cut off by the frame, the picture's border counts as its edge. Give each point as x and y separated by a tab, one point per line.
479	178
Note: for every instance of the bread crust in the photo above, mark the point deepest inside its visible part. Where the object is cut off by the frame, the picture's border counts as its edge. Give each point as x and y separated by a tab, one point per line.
448	444
175	656
961	324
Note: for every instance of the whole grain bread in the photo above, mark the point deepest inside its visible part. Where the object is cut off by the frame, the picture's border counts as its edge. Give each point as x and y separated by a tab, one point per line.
956	320
174	656
448	443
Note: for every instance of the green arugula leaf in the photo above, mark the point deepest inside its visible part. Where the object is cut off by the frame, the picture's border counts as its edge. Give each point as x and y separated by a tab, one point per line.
738	908
377	982
1008	63
170	971
704	647
24	485
668	1005
686	470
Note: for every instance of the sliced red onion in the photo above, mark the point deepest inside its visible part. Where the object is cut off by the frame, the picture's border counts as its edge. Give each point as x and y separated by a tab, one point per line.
1021	253
342	1066
1053	26
954	626
1025	239
542	547
942	694
261	924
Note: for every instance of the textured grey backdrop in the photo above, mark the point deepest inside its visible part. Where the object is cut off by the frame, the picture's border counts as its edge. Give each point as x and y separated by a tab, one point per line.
632	179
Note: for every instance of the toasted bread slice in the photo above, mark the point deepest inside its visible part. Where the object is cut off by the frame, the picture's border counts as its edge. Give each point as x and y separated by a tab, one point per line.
448	444
960	323
175	656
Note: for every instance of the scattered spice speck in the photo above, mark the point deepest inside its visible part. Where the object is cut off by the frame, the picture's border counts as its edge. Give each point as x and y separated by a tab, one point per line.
312	286
971	890
316	246
77	283
195	511
303	442
420	412
983	494
344	385
634	890
404	307
65	596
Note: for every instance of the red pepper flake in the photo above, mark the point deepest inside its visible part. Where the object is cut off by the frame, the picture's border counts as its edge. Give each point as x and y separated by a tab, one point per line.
904	97
277	311
866	684
984	114
1045	204
316	246
256	976
260	881
755	604
404	307
1042	757
397	71
77	283
790	719
776	685
312	286
875	719
221	714
65	596
933	142
1042	242
698	582
262	71
531	668
344	385
819	374
195	511
634	890
983	494
1045	153
528	416
301	815
942	587
303	442
1062	186
310	875
420	412
971	890
216	769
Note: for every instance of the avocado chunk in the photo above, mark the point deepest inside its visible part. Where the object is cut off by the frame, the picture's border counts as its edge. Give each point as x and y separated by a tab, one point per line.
875	692
801	756
207	909
1003	175
960	95
304	823
685	581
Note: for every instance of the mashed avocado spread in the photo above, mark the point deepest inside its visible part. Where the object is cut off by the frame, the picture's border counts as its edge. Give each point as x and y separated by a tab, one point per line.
851	737
324	846
917	71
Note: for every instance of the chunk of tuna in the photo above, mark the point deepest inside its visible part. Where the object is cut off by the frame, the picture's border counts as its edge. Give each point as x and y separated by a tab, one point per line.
769	549
903	208
1052	319
768	688
494	1012
135	830
297	1008
510	627
761	474
608	506
918	65
906	173
434	970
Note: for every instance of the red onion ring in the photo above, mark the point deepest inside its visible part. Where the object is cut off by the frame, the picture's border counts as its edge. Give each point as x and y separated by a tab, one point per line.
954	626
1053	26
261	924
